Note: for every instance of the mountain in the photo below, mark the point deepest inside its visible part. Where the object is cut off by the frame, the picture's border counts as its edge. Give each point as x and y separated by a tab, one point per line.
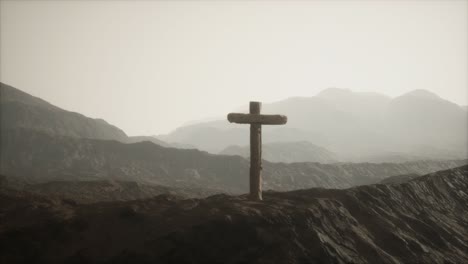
420	117
301	151
21	110
313	119
320	120
357	127
366	106
48	149
136	139
420	221
41	157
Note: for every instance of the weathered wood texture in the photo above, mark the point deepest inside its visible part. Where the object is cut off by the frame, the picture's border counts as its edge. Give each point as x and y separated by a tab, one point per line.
255	154
257	119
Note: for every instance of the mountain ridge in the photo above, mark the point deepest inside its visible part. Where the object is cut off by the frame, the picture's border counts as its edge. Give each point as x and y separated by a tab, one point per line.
22	110
350	124
41	157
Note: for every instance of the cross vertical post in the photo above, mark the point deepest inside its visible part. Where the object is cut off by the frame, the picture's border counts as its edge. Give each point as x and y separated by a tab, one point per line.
255	154
256	120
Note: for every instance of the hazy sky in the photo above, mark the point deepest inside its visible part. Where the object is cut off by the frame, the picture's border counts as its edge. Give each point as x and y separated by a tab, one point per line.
151	66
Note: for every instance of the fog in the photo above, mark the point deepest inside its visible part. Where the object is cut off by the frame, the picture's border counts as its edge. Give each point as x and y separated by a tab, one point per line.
151	66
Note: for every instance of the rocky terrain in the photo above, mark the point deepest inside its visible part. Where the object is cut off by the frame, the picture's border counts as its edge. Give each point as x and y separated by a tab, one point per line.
424	220
100	190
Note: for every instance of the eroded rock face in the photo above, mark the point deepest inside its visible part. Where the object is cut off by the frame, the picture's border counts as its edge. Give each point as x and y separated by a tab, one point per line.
424	220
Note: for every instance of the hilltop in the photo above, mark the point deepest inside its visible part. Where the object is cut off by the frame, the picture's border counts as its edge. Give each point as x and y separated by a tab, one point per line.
423	220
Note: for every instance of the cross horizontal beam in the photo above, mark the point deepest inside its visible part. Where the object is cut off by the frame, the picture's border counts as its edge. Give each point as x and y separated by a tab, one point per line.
257	119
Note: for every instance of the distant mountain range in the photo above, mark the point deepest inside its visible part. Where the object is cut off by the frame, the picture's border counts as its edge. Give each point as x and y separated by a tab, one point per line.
43	143
40	157
357	127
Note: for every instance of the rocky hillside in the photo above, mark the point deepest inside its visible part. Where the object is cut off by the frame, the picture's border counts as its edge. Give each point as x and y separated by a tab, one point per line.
41	157
422	221
301	151
100	190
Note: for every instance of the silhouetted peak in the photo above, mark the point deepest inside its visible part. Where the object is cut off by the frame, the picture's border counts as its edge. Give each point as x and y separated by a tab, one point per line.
421	93
335	92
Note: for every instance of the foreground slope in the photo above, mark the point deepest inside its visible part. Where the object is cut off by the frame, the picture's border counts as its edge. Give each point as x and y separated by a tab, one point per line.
422	221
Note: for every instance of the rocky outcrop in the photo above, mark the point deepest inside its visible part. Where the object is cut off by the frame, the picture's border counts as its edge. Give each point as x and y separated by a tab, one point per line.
421	221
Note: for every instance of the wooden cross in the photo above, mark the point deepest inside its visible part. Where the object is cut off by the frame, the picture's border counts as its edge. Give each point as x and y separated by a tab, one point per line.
256	120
